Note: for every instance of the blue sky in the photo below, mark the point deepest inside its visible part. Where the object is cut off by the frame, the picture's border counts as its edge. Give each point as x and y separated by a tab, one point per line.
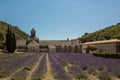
60	19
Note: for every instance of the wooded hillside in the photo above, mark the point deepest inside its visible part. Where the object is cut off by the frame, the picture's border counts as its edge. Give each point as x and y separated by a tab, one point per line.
111	32
18	32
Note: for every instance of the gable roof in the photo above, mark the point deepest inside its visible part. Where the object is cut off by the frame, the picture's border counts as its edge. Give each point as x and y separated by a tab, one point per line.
33	43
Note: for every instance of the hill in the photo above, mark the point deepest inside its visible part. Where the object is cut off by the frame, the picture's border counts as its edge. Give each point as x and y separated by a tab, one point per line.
111	32
18	32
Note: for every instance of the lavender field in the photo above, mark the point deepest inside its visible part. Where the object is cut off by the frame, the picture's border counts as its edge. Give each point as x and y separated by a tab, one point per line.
57	66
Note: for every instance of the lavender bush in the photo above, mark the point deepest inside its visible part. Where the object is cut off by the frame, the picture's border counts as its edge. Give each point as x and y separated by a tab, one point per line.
12	67
64	66
41	70
58	71
88	64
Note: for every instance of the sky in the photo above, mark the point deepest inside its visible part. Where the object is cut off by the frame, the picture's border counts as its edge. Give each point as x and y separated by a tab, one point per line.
60	19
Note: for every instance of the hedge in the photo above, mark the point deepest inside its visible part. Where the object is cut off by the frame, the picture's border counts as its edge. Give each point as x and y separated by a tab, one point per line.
106	55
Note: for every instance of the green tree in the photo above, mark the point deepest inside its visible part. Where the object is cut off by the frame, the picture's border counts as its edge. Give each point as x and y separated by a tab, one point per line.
70	48
89	48
65	48
76	49
59	48
10	41
1	37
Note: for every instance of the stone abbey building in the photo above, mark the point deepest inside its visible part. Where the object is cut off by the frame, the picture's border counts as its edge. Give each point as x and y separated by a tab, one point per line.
33	44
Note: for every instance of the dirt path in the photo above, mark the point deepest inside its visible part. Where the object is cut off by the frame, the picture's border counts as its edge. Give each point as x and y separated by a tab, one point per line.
48	75
34	68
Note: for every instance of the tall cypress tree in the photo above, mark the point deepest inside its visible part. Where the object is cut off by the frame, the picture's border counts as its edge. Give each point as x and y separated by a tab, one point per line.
13	42
10	41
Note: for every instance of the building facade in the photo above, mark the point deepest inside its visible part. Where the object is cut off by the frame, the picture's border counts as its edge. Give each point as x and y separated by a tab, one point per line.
29	45
108	46
33	44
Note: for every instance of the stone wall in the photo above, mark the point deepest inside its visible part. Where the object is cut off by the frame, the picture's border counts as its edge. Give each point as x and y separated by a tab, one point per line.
106	46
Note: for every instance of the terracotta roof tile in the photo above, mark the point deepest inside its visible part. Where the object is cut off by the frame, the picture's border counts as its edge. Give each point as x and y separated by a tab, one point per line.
103	41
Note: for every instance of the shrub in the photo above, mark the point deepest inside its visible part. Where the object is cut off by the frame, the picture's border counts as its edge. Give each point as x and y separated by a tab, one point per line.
81	76
104	76
89	48
106	55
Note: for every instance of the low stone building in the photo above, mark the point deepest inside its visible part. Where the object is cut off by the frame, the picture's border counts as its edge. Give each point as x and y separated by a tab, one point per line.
21	46
108	46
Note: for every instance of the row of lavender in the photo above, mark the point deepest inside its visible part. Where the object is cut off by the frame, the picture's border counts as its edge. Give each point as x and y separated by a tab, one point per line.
40	72
11	62
27	68
19	68
58	71
80	66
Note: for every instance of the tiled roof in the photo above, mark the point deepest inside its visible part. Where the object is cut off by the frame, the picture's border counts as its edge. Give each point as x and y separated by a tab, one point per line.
103	41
